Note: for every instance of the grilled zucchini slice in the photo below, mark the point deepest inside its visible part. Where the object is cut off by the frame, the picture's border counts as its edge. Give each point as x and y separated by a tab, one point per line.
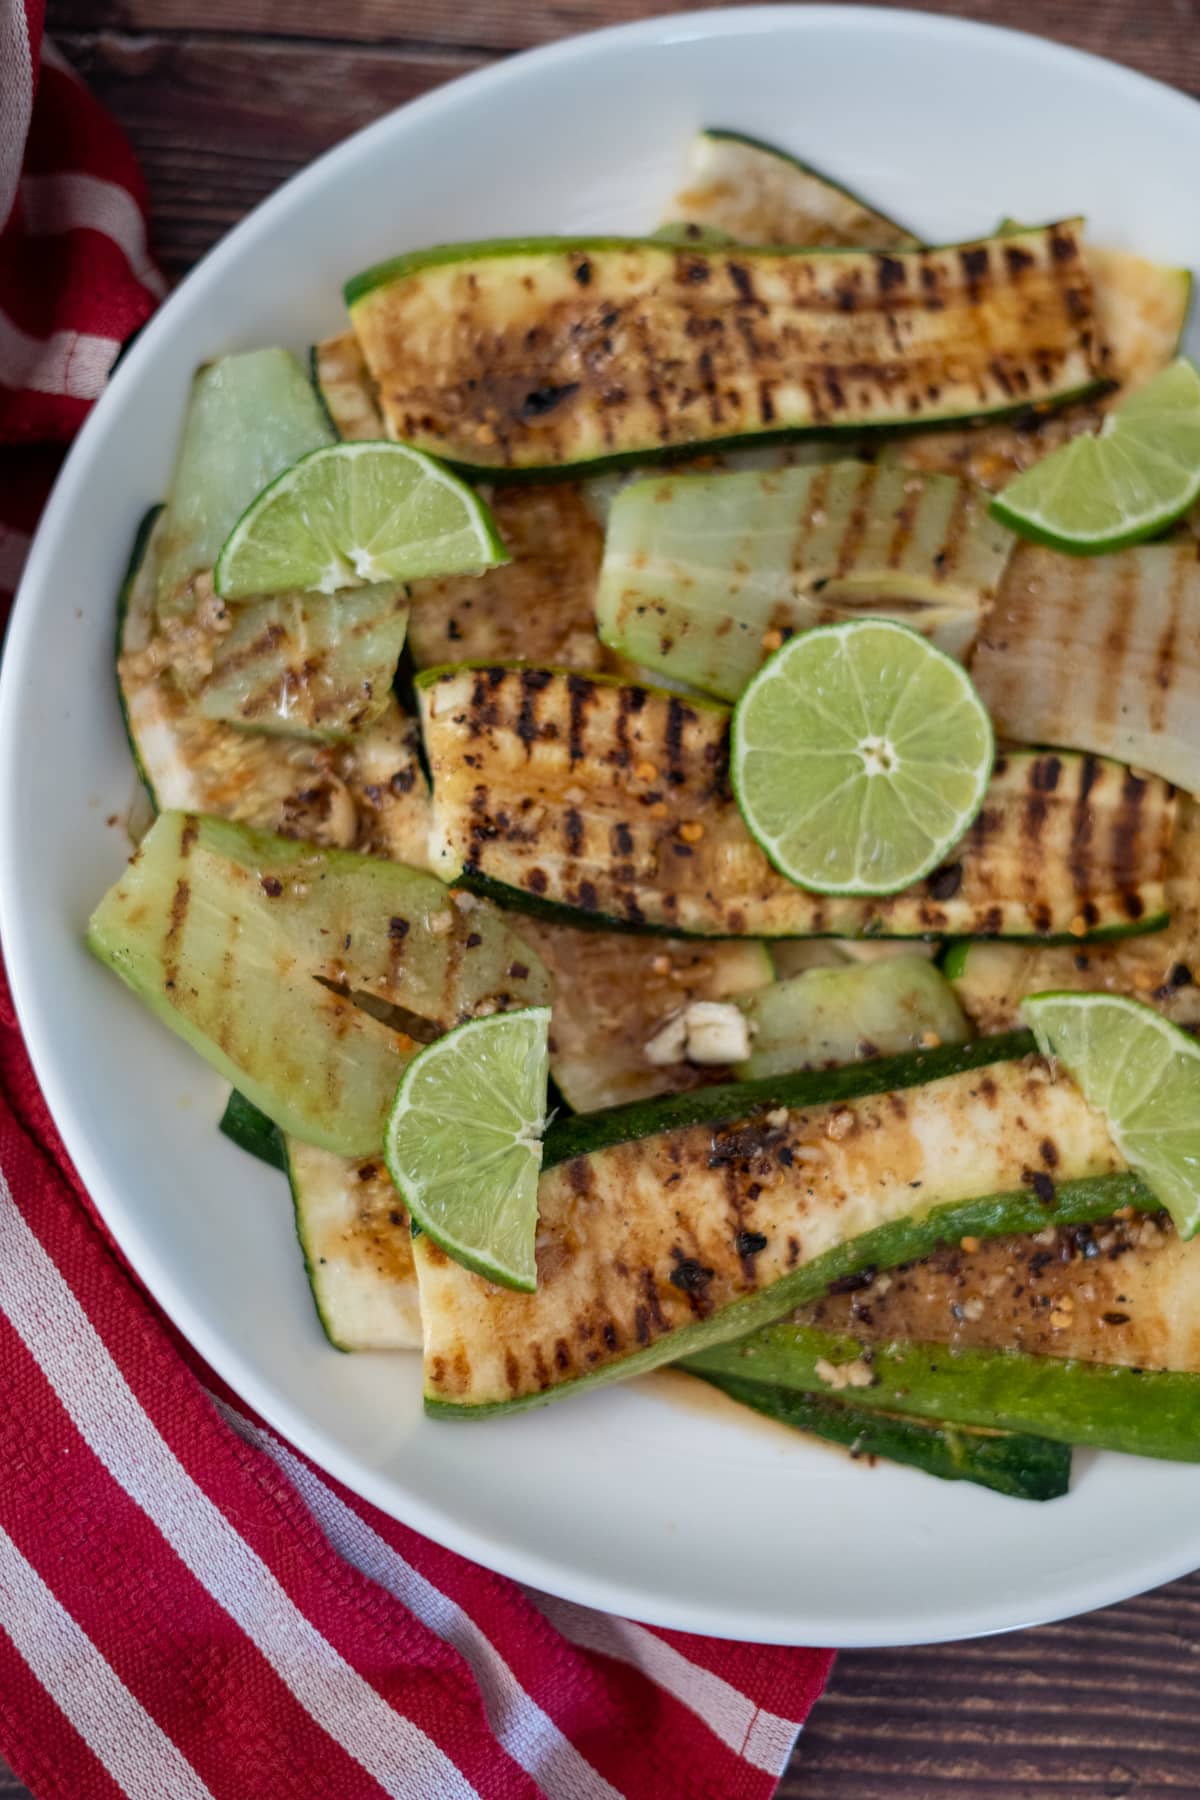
346	390
703	574
561	353
1099	652
613	801
305	976
1089	1334
848	1014
357	1243
745	189
651	1249
1021	1466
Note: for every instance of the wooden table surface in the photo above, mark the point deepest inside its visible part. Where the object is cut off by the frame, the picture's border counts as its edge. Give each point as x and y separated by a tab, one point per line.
1102	1708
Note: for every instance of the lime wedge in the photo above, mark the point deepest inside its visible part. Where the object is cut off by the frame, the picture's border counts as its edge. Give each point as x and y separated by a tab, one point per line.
1136	477
860	755
464	1142
353	513
1143	1074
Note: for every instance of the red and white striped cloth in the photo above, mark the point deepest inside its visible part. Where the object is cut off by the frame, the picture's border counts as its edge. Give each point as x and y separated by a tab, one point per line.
190	1610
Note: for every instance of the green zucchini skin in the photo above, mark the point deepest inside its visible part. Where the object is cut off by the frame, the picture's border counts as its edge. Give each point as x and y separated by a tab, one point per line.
837	340
1143	1412
585	1133
247	1126
137	574
613	798
1017	1464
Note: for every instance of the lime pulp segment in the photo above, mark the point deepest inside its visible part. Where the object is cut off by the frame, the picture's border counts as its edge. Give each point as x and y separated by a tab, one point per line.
1143	1074
464	1142
354	513
860	756
1135	477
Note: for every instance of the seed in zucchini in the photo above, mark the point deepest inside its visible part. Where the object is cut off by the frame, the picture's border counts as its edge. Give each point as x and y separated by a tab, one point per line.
568	352
249	417
703	575
651	1249
271	958
346	390
540	607
761	194
614	801
1162	969
1087	1334
1016	1464
1099	652
612	994
847	1014
357	1244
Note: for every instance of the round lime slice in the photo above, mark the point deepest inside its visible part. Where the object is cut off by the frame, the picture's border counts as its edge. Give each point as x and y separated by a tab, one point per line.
860	756
353	513
1130	481
1143	1074
464	1142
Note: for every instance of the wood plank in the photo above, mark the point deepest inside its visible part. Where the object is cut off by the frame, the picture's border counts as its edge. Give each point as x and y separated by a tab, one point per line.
220	122
1097	1708
1160	37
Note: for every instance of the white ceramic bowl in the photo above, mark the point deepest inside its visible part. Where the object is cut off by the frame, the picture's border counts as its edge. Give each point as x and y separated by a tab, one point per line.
636	1501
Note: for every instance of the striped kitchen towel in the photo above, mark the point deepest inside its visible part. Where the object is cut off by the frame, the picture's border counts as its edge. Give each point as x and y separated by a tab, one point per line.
188	1607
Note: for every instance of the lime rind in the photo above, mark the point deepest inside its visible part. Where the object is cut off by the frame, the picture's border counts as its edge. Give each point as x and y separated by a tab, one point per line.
463	1143
811	723
351	513
1129	482
1143	1073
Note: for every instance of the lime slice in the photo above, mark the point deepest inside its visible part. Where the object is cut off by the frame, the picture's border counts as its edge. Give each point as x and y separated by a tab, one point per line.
353	513
1143	1074
464	1142
860	755
1136	477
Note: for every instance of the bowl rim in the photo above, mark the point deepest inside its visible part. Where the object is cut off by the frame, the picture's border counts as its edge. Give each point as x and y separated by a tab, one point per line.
605	1593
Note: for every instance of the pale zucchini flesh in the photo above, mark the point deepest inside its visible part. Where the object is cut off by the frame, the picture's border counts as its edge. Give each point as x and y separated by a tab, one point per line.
274	960
703	575
651	1249
1162	968
249	417
346	390
574	790
1121	1290
357	1244
612	994
759	194
369	795
1099	652
535	354
849	1013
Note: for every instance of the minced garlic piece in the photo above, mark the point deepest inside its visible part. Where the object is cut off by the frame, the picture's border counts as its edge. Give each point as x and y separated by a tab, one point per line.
837	1376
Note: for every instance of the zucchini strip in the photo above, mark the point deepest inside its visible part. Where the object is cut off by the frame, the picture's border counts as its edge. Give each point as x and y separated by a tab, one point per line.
755	192
651	1250
568	352
357	1243
702	575
1021	1466
849	1014
1100	653
1162	969
613	801
247	1126
304	976
346	390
